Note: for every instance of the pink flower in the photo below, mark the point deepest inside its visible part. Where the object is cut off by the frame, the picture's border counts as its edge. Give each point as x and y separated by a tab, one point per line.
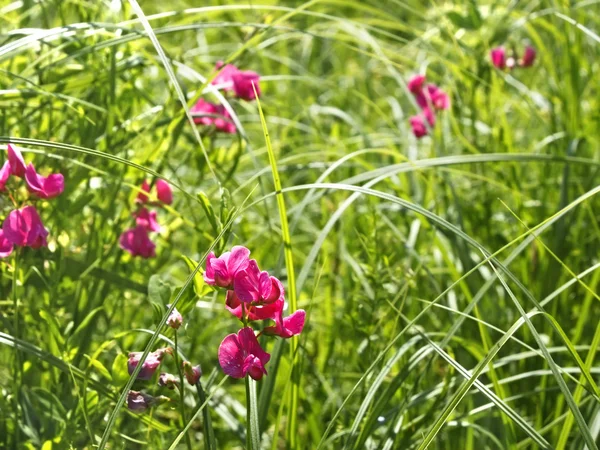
498	56
137	243
528	57
244	84
192	373
225	77
288	326
222	270
4	175
252	285
241	355
44	187
167	380
6	246
253	311
149	366
175	319
163	192
206	113
418	122
142	197
439	99
147	219
139	402
23	227
415	84
17	163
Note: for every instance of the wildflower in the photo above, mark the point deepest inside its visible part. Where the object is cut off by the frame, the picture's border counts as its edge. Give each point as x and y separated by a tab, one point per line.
289	326
167	380
44	187
23	227
6	247
137	243
224	78
439	99
175	319
192	373
142	196
163	192
16	161
147	219
149	366
240	355
139	402
252	285
416	83
206	113
222	270
498	56
418	125
242	83
252	311
4	175
528	57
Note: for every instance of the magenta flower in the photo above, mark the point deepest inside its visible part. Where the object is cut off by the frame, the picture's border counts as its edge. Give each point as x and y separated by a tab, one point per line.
167	380
175	319
244	84
240	355
164	192
253	311
289	326
498	57
24	228
206	113
4	175
418	123
149	366
192	373
17	163
6	247
439	99
137	243
528	57
147	219
44	187
222	270
142	196
224	79
416	83
252	285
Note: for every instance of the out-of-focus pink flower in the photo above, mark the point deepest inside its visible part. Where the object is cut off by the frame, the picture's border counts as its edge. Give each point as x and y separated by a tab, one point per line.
206	113
222	270
147	219
498	57
150	365
139	402
164	192
418	125
23	227
137	243
142	196
253	311
44	187
528	57
192	373
17	163
6	247
289	326
252	285
240	355
4	175
224	79
439	99
416	83
244	84
175	319
167	380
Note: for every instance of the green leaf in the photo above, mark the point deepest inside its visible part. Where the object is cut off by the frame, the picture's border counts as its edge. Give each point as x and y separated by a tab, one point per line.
210	212
200	287
120	375
158	290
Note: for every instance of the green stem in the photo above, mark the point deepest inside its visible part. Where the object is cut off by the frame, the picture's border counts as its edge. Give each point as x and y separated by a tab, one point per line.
17	367
209	435
181	392
252	430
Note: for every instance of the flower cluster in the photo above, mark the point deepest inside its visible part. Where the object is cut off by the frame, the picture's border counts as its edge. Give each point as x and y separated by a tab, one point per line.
229	79
501	61
430	98
136	240
23	227
252	295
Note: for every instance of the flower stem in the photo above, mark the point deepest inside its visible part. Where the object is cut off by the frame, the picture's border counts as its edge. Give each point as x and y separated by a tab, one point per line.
252	430
209	435
181	392
17	367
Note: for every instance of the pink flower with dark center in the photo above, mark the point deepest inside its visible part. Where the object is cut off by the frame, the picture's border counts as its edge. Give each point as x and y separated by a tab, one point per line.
222	270
137	243
528	57
416	83
24	228
192	373
418	125
289	326
498	57
6	247
4	176
175	319
149	366
244	84
252	285
164	192
17	163
44	187
240	355
206	113
253	312
147	219
142	196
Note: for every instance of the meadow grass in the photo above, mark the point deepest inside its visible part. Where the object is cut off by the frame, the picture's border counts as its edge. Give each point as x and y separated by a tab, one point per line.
450	282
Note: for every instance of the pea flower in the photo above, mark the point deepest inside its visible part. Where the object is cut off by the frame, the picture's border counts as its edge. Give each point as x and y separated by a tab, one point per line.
150	365
16	161
167	380
418	123
24	228
142	196
206	113
252	285
137	243
222	270
164	192
498	57
44	187
192	373
139	402
6	247
416	83
4	175
240	355
528	57
175	319
289	326
147	219
253	311
242	83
